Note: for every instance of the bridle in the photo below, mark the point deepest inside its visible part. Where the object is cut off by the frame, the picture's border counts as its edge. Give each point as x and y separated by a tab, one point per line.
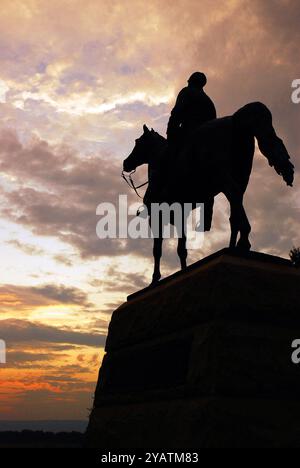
131	182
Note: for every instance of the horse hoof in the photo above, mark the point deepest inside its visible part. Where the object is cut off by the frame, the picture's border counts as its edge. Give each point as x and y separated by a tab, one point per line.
155	280
153	283
244	246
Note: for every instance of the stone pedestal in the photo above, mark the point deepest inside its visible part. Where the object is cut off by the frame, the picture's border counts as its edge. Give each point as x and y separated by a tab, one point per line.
204	360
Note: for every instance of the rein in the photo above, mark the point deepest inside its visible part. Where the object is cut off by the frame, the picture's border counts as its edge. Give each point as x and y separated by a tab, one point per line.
131	183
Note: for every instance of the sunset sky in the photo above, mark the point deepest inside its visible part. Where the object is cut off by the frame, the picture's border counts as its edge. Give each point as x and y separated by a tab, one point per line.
78	79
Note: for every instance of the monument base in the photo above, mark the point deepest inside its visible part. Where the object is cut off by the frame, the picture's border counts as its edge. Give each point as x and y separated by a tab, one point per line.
204	360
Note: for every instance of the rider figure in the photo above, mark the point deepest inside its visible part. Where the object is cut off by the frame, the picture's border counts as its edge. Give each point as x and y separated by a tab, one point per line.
193	108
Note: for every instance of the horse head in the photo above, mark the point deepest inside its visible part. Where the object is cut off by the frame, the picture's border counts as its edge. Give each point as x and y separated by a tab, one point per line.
141	151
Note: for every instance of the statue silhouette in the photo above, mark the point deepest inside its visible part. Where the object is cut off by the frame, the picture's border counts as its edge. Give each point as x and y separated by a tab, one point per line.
216	158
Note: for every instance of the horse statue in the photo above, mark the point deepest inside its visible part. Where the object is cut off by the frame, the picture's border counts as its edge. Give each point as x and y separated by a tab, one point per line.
217	159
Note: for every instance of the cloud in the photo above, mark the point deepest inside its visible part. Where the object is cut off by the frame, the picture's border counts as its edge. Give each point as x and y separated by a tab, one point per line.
64	259
73	187
31	360
69	189
61	294
115	280
65	187
22	331
273	210
26	297
26	248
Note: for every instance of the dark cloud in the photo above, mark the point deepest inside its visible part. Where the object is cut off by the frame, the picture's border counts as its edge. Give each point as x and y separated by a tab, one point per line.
24	331
44	348
33	360
116	281
47	294
62	294
109	308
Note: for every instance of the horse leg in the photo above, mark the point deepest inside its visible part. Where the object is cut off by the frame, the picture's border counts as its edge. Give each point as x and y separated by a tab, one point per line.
235	200
208	213
245	229
239	224
234	225
157	252
182	251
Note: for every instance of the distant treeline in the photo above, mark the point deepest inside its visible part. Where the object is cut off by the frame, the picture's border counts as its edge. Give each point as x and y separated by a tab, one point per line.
40	439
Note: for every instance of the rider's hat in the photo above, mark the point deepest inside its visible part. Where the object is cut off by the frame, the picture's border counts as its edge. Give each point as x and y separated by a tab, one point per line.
198	79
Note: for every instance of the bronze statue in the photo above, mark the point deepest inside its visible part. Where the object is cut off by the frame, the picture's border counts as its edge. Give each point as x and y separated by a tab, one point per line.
216	158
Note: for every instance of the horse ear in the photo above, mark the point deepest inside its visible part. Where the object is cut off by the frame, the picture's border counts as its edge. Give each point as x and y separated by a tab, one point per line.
146	129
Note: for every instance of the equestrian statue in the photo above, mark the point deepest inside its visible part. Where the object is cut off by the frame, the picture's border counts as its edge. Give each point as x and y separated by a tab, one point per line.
203	156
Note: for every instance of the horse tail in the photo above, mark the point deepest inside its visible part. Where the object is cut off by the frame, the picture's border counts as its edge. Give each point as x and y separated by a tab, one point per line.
279	158
257	118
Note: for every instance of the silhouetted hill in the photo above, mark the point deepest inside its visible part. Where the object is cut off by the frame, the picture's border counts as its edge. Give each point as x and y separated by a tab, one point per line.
40	439
46	425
